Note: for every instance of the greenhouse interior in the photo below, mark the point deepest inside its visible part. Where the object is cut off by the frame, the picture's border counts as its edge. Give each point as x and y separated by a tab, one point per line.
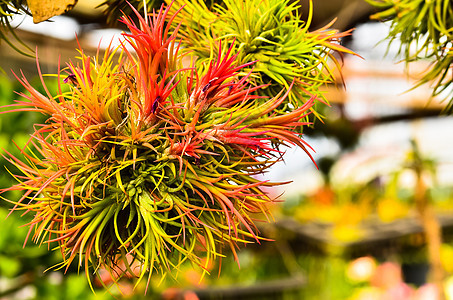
223	149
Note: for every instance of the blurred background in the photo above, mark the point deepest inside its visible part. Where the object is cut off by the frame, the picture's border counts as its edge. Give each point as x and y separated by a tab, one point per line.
350	229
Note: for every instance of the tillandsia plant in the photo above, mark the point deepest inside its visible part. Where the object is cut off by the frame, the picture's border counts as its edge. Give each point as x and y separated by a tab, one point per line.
271	33
425	30
144	164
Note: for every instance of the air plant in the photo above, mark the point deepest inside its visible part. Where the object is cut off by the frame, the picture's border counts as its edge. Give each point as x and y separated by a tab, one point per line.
271	33
144	164
424	29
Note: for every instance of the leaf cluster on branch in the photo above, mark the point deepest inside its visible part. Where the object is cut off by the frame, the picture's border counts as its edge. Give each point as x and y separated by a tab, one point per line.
425	31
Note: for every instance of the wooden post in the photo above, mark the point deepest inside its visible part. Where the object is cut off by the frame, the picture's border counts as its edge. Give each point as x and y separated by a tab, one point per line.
432	230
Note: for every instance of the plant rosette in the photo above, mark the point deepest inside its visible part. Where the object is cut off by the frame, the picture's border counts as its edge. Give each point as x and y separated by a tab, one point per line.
272	34
143	164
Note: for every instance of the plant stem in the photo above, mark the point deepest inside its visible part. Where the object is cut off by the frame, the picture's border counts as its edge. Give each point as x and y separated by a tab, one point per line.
433	233
23	281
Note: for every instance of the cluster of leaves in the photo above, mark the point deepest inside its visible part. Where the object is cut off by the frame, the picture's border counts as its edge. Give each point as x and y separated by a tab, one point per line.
8	8
271	33
143	164
21	268
12	236
424	29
